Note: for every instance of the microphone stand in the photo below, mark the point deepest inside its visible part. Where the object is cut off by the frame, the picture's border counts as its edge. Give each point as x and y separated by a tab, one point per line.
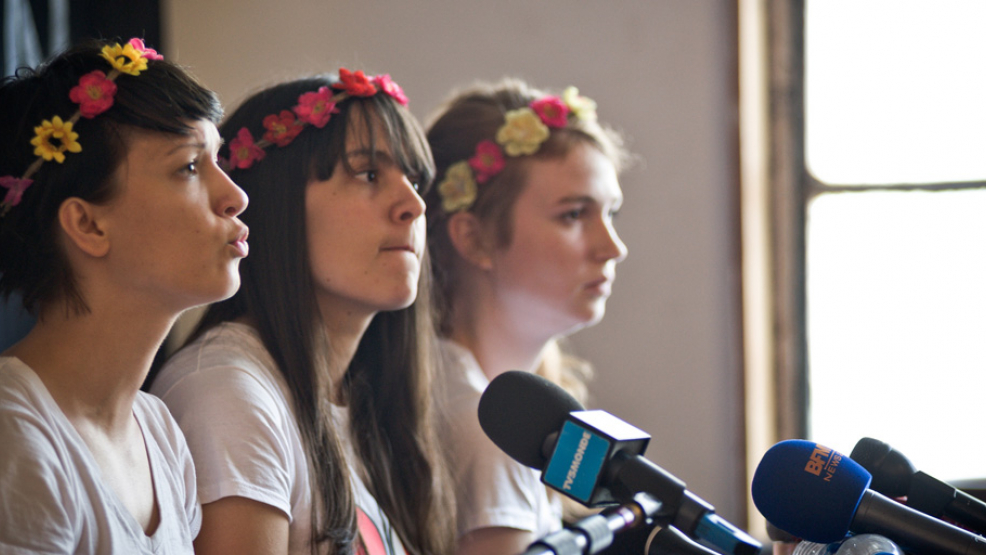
595	533
671	541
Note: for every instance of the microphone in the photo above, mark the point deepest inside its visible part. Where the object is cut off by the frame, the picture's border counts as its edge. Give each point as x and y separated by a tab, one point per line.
895	476
594	457
595	533
820	495
671	541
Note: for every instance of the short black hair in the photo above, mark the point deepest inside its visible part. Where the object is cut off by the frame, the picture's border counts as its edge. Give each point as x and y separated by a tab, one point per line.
163	99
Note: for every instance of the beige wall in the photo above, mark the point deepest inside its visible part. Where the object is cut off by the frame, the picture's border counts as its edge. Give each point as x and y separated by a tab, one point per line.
667	354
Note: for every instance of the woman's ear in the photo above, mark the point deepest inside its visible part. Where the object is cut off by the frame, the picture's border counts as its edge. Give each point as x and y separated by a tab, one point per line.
83	227
470	240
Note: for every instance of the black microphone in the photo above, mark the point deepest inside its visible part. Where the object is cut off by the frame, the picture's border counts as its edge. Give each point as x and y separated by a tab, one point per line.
895	476
595	533
594	457
671	541
820	495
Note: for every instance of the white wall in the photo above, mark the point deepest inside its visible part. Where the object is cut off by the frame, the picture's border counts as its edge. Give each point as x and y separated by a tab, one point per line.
667	354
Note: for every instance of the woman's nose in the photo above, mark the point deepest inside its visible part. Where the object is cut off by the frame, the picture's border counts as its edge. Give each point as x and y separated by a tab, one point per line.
409	205
231	201
611	246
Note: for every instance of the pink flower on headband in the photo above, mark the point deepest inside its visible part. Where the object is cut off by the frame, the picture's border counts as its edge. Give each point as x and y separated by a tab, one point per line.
388	86
282	128
15	189
552	111
149	53
355	84
487	162
316	107
243	152
93	94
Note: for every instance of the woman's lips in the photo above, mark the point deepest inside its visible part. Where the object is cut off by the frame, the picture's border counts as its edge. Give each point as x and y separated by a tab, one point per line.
240	243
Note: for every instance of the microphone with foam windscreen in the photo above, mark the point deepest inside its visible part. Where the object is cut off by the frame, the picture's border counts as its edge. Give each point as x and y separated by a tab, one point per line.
594	457
820	495
895	476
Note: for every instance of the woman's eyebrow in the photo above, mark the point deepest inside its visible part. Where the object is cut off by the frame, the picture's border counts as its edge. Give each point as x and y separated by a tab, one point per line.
176	148
577	199
369	153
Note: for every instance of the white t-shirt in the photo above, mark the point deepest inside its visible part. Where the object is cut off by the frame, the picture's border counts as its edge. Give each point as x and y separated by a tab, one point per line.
233	405
52	496
491	488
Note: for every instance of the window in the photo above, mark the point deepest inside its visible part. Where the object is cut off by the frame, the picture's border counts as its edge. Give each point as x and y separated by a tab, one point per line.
895	228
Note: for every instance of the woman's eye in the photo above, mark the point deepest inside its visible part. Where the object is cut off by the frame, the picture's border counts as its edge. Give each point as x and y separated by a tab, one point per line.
572	215
192	168
370	176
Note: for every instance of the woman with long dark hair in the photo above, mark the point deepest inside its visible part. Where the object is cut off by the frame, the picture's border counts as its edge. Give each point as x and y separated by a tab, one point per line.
305	396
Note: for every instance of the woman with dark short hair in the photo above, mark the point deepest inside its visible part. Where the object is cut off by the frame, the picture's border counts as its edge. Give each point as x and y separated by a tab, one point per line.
115	219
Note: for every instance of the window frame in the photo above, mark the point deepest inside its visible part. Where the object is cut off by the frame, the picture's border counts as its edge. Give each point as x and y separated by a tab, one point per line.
789	188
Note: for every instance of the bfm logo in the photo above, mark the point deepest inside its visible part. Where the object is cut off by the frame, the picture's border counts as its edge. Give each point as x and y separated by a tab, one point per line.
823	459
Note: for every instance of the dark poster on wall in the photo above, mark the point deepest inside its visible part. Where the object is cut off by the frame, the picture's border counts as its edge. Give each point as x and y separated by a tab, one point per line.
32	30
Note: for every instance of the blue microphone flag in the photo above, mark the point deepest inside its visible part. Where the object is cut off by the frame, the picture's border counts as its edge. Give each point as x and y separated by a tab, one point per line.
588	439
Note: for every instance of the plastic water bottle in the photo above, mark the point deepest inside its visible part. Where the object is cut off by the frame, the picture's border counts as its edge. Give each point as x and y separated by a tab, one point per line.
861	544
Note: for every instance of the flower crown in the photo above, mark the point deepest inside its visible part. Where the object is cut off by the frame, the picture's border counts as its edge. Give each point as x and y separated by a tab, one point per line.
94	95
523	132
313	108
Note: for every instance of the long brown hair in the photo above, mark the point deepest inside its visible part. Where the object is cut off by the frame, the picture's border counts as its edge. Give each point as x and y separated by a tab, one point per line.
386	384
469	117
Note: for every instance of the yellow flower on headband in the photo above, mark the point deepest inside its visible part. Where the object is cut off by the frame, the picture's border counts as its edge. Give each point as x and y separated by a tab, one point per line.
458	189
55	129
125	59
523	132
583	107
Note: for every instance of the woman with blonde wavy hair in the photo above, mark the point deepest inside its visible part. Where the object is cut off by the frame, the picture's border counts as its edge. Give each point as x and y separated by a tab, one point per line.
520	230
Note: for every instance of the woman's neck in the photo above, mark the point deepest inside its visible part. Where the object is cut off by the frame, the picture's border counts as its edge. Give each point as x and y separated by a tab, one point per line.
93	364
496	341
344	329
